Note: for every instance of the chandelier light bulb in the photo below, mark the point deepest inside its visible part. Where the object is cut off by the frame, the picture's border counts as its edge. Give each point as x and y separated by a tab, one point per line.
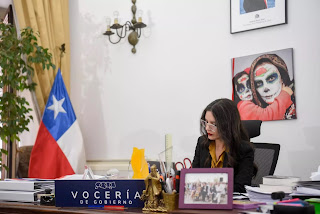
139	14
116	16
108	20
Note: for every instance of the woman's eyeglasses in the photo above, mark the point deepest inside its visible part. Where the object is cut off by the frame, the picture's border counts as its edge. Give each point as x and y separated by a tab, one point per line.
212	127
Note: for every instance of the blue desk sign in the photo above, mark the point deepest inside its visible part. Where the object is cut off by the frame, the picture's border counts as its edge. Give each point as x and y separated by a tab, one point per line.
84	193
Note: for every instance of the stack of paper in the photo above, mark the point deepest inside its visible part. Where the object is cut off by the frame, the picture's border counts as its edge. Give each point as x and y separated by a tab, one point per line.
23	190
256	194
311	188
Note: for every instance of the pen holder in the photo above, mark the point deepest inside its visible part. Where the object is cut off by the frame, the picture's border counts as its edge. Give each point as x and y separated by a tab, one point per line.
171	200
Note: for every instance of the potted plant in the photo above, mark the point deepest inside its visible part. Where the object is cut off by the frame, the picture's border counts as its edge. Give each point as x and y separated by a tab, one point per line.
18	55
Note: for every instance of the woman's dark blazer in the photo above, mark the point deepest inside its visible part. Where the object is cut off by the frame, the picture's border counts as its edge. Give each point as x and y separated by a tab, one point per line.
243	171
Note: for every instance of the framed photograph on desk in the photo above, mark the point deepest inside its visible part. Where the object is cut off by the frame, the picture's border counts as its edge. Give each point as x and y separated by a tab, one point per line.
206	188
253	14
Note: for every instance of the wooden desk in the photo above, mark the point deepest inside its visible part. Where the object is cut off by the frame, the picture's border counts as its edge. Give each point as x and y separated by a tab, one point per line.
29	208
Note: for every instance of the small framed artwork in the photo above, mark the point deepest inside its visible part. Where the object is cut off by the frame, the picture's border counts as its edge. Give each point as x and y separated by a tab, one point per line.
254	14
206	188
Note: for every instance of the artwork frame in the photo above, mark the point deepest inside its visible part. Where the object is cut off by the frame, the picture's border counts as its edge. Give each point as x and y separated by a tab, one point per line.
264	85
206	188
246	15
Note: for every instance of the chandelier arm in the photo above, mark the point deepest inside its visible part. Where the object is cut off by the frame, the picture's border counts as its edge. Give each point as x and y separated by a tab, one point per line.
114	42
129	24
121	32
139	32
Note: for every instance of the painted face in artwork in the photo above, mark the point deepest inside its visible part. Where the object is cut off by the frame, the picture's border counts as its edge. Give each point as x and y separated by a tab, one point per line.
243	88
268	82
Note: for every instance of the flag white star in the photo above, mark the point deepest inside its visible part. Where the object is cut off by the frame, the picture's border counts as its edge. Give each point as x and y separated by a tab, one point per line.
57	106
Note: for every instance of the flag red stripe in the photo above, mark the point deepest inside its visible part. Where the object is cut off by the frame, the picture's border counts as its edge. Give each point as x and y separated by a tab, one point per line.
47	159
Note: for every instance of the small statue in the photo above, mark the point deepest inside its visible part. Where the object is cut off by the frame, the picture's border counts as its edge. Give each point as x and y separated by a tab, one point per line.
152	195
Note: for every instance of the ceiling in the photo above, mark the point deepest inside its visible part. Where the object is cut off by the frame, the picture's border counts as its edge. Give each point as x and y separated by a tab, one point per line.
5	3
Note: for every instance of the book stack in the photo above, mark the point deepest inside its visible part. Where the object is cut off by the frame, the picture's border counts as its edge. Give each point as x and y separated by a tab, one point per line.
275	183
23	190
272	183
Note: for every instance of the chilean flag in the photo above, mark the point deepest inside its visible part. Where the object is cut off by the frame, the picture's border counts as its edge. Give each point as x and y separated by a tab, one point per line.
59	149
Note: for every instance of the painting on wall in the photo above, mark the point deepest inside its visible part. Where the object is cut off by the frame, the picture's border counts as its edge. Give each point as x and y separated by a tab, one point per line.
263	86
253	14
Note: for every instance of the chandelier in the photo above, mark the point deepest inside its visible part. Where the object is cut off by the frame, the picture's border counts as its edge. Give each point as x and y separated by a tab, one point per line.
121	30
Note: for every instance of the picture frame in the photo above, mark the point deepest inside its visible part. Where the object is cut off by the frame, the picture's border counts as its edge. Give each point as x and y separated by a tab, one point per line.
261	83
248	15
206	188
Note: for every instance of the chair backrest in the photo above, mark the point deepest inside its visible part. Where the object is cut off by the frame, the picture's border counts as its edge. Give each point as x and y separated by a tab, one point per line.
252	127
266	158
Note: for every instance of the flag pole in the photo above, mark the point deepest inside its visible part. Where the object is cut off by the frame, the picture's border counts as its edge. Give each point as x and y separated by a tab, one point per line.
62	51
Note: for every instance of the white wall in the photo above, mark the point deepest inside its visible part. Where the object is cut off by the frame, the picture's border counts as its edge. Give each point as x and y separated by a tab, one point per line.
183	62
5	3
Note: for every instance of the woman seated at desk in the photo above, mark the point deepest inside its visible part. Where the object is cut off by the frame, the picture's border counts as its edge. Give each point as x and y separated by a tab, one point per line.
225	143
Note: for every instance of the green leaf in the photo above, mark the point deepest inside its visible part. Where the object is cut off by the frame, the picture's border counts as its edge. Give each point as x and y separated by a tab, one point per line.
4	151
17	58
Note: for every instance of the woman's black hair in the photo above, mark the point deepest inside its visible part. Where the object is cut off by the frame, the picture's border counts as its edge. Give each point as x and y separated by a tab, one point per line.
229	127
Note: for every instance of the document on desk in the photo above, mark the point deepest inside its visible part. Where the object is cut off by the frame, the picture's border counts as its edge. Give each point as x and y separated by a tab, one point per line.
21	196
26	185
307	191
307	188
256	194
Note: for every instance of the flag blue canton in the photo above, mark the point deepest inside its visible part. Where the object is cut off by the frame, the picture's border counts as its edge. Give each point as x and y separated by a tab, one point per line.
58	124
